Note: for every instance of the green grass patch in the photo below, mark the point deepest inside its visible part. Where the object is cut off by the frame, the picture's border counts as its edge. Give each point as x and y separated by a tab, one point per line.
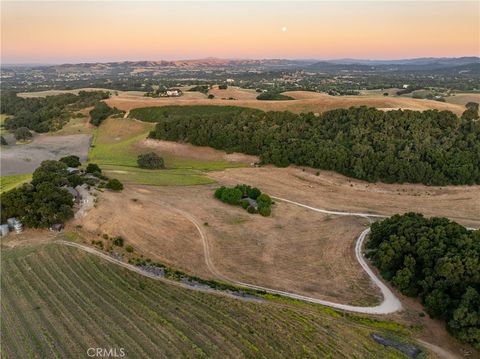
155	114
9	182
115	148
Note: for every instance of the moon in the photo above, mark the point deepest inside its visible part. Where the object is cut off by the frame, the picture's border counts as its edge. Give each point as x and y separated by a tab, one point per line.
284	29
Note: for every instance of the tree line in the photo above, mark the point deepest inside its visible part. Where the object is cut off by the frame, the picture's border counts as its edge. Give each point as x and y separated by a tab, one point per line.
436	260
44	114
431	147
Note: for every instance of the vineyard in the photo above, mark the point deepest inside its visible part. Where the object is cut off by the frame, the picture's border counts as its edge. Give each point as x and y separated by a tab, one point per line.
58	302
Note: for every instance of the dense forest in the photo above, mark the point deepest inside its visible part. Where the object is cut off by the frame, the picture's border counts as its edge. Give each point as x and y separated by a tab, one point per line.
436	260
431	147
44	114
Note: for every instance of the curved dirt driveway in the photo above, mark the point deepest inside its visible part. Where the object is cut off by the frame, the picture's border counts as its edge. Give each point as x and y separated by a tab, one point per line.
390	303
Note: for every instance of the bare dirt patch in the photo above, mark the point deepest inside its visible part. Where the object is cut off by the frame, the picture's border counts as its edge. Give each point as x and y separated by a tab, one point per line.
152	228
333	191
25	158
186	150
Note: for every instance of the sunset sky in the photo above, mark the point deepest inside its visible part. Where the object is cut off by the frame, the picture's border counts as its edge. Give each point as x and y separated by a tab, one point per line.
88	31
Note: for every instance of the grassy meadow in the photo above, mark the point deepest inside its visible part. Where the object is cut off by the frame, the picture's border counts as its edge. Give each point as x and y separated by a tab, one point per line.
9	182
58	301
116	147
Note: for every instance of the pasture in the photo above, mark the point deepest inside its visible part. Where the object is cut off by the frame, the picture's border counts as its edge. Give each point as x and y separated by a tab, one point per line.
294	249
304	101
118	142
325	189
58	302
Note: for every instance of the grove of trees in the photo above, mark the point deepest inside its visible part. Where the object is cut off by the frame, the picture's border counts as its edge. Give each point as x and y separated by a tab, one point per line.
44	114
100	112
431	147
436	260
250	198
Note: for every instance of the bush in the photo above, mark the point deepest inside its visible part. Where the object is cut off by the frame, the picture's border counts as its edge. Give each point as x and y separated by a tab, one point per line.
245	204
114	184
265	210
129	249
150	160
23	134
118	241
231	195
251	209
222	87
3	141
253	193
211	96
218	192
71	161
264	200
93	168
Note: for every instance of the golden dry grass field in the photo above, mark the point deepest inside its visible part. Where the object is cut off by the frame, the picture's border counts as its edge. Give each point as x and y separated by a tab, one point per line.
304	102
292	250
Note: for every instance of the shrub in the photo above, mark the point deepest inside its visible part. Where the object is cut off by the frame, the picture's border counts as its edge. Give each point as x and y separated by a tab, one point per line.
265	210
129	249
71	161
244	204
251	209
222	87
23	134
3	141
211	96
93	168
264	200
231	195
114	184
118	241
218	192
254	192
150	160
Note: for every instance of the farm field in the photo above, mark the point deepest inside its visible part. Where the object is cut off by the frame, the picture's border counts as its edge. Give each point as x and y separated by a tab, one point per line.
118	142
334	191
305	102
293	250
59	301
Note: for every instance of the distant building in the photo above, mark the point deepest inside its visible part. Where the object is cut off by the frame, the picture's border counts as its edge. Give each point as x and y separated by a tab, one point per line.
171	93
73	170
230	81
